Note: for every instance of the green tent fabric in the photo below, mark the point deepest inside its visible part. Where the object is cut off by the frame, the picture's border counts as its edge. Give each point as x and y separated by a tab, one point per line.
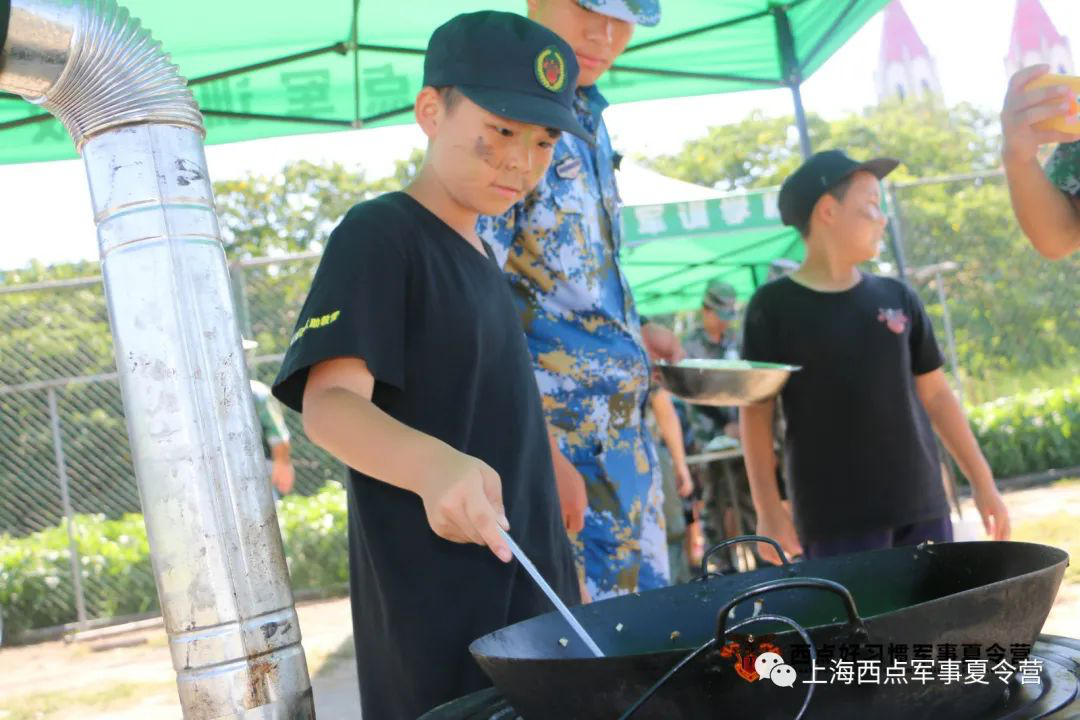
672	251
261	69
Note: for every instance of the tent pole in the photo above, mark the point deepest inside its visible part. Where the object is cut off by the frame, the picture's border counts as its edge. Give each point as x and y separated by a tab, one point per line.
896	232
789	63
698	31
339	48
800	122
356	63
686	74
950	334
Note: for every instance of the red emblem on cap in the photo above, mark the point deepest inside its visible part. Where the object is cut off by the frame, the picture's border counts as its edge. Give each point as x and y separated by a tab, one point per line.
551	69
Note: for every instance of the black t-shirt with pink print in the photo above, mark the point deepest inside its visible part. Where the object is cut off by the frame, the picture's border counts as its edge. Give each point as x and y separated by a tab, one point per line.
860	451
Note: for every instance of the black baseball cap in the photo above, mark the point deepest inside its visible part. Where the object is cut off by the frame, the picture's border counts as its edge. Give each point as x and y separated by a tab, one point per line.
508	65
815	177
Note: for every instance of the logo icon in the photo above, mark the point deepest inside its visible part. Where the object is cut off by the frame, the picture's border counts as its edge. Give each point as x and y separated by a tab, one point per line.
746	651
895	320
759	660
767	662
551	69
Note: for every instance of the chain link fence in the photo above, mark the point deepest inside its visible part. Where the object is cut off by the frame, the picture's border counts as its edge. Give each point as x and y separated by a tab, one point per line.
269	293
65	461
1005	317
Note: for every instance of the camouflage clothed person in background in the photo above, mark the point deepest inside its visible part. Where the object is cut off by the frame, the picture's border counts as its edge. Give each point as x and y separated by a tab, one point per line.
675	510
559	249
1063	168
709	423
271	419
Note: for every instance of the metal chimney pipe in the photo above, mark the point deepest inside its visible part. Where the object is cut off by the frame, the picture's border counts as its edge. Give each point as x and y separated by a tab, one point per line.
214	539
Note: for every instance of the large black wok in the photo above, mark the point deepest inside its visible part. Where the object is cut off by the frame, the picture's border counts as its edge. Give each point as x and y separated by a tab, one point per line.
981	593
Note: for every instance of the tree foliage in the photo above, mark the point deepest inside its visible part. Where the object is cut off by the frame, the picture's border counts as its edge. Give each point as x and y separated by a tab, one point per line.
1012	310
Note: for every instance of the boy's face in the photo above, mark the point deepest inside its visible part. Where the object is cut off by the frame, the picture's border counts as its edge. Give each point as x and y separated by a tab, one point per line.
597	39
486	162
856	223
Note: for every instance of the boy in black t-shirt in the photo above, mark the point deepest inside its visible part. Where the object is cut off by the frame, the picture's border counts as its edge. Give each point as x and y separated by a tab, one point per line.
409	365
861	460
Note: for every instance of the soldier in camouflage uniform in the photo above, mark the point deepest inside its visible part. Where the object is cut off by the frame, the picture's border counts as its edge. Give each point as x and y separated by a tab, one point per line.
275	433
669	433
716	340
559	249
1047	204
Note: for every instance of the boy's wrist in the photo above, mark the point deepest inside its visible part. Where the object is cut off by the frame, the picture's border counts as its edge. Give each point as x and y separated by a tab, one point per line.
768	502
425	458
982	479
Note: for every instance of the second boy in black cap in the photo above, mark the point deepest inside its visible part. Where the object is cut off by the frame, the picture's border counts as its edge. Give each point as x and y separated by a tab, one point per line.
409	365
861	459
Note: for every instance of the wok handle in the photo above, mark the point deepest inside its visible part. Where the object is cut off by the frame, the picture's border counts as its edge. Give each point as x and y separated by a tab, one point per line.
741	539
854	620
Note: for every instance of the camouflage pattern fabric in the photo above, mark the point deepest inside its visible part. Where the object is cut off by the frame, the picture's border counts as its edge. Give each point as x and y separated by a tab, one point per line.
642	12
271	419
1063	168
559	250
705	424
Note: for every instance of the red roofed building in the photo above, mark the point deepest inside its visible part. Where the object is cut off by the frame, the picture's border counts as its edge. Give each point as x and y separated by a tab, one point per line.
1035	40
905	67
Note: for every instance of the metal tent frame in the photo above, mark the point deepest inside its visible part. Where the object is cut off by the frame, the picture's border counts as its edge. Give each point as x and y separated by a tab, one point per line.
792	69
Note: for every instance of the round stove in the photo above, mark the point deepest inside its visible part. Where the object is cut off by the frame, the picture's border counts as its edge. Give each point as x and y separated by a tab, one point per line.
1057	697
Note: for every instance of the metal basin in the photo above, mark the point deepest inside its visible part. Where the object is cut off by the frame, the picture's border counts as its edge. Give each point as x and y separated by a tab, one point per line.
724	382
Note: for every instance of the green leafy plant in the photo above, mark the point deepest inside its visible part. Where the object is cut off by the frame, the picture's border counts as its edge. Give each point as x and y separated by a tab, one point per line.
1030	432
114	558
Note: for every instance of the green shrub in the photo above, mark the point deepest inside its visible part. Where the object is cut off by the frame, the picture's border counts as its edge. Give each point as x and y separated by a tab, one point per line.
1026	433
35	570
314	531
1030	432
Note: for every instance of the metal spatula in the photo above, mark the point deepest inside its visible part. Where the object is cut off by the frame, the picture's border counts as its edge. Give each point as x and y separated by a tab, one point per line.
559	605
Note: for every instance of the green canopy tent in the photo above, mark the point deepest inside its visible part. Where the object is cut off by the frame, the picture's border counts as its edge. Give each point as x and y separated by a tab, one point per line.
261	70
673	250
326	65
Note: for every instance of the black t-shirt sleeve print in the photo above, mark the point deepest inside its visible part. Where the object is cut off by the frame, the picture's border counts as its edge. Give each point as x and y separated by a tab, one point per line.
925	353
758	331
356	305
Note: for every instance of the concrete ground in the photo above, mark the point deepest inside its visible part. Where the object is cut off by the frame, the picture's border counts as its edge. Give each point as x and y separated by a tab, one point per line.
58	681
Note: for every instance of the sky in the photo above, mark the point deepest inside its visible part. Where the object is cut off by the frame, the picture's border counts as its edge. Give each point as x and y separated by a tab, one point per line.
46	212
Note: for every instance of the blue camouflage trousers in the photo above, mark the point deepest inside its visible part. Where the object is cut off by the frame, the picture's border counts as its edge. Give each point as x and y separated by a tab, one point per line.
623	546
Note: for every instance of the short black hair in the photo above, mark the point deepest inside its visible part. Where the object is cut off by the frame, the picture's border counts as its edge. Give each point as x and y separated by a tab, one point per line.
838	191
450	95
